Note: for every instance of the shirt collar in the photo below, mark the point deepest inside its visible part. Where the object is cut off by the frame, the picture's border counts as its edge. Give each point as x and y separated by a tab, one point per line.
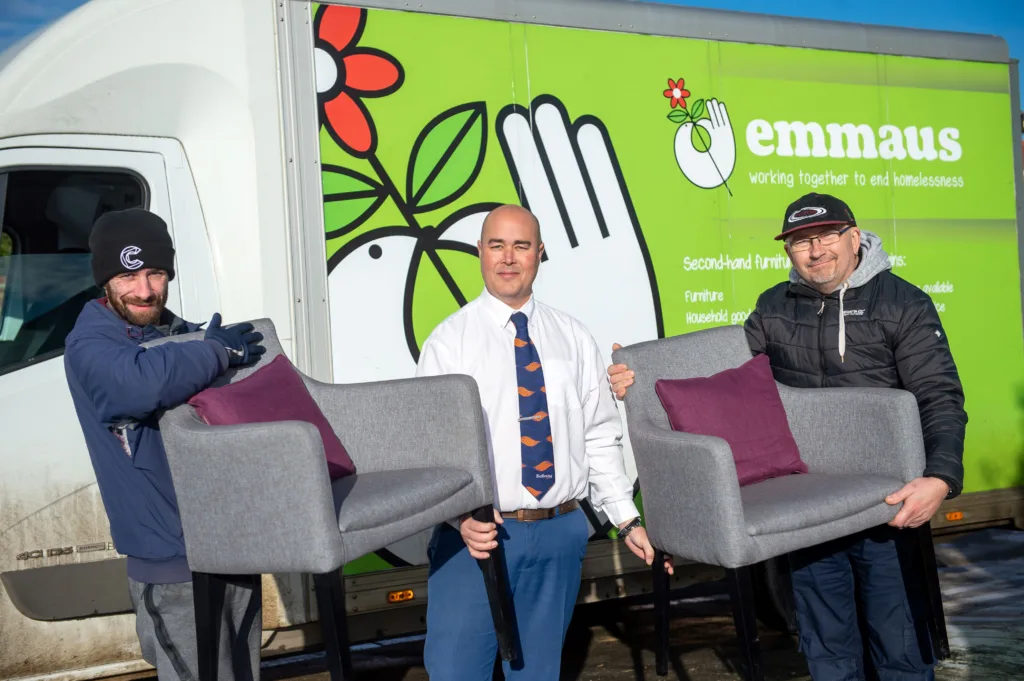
502	313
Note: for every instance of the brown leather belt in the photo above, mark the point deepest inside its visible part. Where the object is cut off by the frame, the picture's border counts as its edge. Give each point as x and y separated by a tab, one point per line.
527	515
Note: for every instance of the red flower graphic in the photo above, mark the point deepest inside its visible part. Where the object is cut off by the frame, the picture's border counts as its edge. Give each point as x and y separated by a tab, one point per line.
345	74
676	93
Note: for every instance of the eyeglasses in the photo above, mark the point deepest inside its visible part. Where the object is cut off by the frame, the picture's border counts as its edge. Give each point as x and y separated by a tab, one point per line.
824	239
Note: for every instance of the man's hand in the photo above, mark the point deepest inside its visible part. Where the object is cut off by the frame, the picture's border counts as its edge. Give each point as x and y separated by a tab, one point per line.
921	498
620	376
241	342
481	538
640	545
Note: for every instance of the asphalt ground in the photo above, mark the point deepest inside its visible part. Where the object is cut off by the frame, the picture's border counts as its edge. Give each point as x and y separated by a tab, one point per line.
982	576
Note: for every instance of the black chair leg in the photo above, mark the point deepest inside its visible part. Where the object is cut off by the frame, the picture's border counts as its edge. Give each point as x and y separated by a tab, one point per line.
330	600
208	593
744	614
498	594
251	626
660	577
936	615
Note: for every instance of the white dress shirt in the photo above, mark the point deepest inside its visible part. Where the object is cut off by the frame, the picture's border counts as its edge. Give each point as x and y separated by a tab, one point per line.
586	430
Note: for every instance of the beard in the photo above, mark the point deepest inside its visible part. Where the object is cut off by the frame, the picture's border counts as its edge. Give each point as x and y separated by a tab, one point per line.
822	278
821	275
142	317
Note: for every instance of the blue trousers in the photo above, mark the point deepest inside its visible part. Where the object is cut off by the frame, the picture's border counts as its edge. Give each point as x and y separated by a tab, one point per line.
544	560
859	584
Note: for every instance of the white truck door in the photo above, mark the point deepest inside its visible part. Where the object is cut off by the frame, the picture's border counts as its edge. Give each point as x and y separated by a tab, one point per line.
57	561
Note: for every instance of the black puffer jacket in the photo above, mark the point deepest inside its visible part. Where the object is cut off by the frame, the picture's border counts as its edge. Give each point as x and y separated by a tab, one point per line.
893	339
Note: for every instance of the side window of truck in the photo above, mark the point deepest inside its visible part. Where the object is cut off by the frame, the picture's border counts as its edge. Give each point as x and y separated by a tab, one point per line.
45	272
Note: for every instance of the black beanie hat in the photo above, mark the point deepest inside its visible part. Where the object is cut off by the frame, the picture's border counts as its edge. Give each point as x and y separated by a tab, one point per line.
128	240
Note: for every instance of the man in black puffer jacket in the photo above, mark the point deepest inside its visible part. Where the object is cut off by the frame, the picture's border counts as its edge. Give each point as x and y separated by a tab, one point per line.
845	320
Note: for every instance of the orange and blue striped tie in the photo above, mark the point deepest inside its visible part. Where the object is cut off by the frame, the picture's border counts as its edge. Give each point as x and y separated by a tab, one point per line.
534	424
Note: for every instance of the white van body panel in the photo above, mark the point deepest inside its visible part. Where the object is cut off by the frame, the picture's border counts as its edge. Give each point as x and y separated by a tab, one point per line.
186	93
212	85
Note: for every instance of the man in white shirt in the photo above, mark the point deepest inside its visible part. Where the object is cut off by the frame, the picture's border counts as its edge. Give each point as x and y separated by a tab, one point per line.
554	435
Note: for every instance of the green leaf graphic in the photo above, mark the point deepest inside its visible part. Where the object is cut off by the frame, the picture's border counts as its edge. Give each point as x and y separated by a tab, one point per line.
679	115
350	198
697	109
701	138
447	157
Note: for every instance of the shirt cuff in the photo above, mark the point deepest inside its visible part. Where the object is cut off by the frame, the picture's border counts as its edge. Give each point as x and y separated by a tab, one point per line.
619	512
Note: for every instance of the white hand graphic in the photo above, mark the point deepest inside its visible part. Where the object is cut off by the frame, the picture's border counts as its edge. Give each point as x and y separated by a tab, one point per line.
604	279
711	168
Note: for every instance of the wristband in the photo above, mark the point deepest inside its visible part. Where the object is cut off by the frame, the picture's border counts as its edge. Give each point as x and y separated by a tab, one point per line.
633	524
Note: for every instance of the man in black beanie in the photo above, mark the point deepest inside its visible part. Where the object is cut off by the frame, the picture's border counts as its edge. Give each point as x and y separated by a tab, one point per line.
118	388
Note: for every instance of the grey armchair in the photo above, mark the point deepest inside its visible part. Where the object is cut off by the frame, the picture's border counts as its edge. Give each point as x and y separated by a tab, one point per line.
693	504
256	499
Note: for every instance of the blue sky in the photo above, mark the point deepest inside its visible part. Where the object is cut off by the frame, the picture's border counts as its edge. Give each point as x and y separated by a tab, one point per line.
997	17
20	17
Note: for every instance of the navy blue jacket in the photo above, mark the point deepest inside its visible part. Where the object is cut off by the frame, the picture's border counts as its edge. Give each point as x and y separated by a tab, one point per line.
119	388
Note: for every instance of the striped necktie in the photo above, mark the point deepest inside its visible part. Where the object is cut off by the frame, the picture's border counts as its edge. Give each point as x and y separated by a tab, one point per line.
534	425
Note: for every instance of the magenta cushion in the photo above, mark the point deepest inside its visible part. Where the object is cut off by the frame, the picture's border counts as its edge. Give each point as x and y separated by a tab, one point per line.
742	406
274	392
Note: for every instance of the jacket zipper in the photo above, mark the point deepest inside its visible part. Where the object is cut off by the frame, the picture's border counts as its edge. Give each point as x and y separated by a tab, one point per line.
821	339
121	433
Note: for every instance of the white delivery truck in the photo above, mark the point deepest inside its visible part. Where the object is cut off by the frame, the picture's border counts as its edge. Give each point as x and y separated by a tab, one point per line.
328	166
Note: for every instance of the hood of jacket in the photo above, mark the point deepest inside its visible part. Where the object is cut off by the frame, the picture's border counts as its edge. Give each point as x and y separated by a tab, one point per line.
873	261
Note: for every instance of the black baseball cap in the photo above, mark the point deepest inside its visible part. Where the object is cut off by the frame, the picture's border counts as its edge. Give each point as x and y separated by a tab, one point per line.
815	210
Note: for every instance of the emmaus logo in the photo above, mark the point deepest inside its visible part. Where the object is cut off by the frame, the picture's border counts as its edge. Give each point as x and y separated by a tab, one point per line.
795	138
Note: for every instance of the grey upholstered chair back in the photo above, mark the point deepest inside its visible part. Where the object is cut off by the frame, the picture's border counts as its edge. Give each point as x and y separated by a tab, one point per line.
694	504
701	353
275	474
184	434
270	341
183	413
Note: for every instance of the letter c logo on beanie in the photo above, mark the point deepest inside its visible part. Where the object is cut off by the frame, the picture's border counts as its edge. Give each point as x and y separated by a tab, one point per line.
127	261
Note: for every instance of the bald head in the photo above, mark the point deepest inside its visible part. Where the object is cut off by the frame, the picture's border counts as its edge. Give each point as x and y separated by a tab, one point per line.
510	252
510	213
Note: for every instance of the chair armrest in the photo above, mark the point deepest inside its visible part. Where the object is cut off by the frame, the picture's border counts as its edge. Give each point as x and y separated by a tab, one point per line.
253	498
410	423
691	494
856	430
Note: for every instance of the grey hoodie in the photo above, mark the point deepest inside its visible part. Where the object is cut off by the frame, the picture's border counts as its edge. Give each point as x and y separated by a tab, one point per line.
873	261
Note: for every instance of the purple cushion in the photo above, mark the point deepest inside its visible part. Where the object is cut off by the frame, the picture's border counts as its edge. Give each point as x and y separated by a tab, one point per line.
742	406
274	392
